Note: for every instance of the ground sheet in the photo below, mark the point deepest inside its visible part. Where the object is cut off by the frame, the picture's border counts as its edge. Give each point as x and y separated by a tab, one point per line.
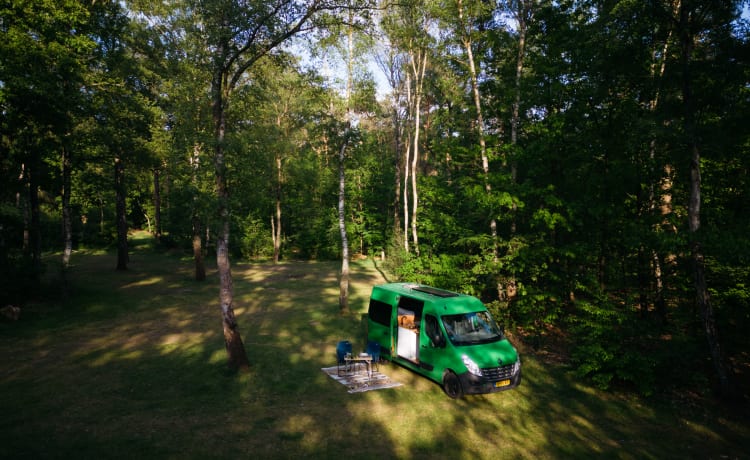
358	381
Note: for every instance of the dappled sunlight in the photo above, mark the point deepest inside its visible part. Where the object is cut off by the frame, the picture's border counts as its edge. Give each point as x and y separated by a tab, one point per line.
145	349
144	282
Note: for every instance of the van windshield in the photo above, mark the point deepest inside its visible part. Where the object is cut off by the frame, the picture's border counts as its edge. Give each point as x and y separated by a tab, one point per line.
472	328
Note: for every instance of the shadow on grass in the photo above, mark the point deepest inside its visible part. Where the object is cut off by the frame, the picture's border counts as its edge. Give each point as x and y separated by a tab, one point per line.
133	365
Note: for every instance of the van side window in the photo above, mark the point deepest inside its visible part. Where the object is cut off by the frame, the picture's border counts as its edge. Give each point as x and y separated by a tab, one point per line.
380	312
432	329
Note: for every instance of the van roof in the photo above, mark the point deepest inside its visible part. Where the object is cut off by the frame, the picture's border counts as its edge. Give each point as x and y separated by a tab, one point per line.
419	290
455	302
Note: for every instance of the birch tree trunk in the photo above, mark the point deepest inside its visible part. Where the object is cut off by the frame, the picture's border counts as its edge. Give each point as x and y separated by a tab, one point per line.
200	265
276	227
466	40
419	65
232	338
407	166
344	279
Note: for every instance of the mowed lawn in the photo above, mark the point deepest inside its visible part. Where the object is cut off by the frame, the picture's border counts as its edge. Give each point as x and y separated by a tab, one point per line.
132	365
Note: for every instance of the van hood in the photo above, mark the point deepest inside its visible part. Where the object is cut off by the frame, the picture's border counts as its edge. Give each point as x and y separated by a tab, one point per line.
494	354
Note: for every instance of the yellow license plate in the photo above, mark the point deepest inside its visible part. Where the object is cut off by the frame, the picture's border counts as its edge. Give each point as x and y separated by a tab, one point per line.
502	383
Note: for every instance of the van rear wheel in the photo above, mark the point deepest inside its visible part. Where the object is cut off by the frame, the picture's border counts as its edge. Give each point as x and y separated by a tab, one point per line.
452	385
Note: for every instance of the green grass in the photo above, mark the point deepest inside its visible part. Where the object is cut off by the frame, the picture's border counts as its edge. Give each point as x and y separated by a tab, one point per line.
132	365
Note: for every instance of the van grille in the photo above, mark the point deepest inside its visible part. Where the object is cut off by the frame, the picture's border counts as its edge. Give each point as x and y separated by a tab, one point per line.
495	374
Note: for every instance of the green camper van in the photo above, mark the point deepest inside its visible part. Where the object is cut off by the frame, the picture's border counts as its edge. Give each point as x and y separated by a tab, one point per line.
448	337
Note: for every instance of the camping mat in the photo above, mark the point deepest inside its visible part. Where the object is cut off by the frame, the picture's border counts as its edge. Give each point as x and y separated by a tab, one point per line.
358	382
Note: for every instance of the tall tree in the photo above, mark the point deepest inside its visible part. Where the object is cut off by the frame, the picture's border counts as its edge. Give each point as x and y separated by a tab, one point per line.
408	28
694	20
239	33
42	67
122	98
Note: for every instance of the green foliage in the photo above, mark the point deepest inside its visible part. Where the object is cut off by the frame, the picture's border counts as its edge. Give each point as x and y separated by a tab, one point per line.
256	238
610	348
589	198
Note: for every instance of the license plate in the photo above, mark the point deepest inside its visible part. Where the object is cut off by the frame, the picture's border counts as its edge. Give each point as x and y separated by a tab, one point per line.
502	383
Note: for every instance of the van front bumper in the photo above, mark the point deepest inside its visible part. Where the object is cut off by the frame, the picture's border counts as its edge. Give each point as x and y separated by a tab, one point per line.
473	384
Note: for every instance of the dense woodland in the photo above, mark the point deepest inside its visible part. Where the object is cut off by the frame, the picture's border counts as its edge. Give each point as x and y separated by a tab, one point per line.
580	165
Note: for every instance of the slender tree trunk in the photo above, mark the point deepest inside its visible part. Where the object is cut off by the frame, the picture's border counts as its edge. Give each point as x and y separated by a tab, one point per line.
658	69
67	222
419	65
479	122
277	217
397	180
232	337
22	205
703	298
200	265
524	14
344	280
407	175
122	221
157	205
100	202
35	234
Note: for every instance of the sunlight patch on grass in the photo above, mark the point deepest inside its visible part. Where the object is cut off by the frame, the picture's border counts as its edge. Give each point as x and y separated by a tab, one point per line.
144	282
144	372
186	338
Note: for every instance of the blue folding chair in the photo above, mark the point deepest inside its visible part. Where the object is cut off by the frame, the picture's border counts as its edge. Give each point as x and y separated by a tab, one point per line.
342	349
373	349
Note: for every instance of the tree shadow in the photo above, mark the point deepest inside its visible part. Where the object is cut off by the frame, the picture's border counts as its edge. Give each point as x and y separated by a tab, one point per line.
134	364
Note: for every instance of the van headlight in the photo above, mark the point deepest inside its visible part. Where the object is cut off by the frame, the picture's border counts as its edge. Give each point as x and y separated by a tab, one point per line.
517	366
471	366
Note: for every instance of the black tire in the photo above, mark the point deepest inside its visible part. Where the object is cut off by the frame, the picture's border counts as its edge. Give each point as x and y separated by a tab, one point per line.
452	386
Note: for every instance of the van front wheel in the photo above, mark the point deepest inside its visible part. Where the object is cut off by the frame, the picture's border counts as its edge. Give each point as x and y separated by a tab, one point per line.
452	386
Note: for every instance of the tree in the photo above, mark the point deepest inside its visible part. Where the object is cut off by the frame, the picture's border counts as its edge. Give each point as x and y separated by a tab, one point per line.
693	20
122	99
239	33
408	29
42	68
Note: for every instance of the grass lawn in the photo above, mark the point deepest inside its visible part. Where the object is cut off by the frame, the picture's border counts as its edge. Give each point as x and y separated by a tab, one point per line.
132	365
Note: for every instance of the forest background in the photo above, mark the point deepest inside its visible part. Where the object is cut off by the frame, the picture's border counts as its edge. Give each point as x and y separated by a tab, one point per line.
581	166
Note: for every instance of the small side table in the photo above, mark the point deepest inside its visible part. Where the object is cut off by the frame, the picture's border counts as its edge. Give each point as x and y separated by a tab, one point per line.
362	358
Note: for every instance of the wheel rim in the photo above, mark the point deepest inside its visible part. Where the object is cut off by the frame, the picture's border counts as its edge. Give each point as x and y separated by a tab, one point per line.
452	386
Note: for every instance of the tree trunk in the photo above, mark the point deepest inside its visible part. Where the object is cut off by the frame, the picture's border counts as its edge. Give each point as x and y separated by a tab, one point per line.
157	205
277	217
35	233
703	299
232	338
467	42
122	221
200	265
344	280
658	70
67	223
418	65
407	175
397	132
